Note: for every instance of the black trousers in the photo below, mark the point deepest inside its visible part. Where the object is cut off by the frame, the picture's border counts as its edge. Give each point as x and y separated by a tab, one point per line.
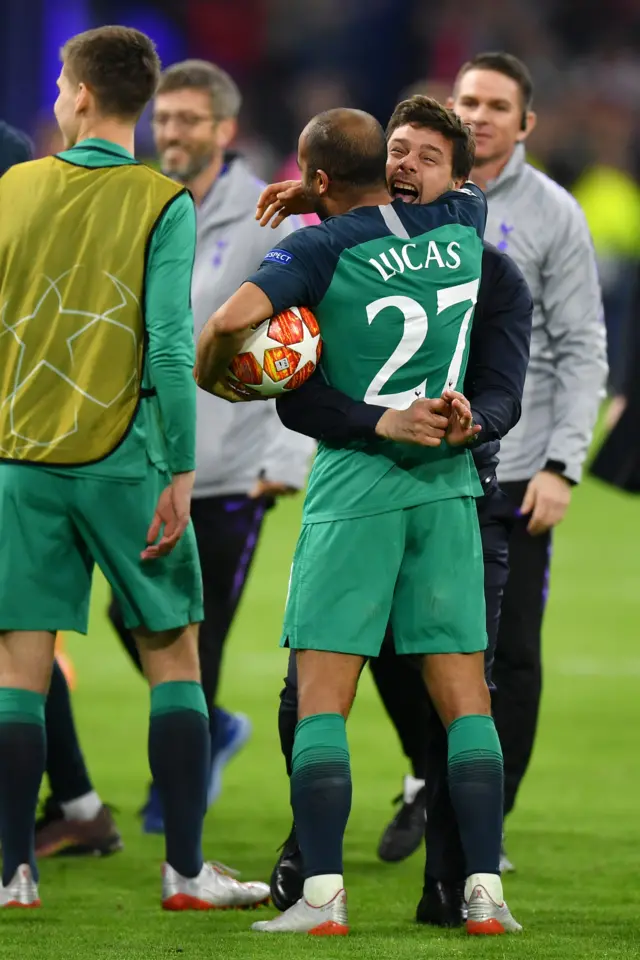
227	531
517	671
403	693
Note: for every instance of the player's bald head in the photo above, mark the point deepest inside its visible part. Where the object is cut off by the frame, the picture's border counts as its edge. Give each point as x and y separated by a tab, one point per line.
348	145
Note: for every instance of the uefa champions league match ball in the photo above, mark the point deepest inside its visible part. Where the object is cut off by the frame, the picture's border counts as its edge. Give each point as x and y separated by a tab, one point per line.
280	354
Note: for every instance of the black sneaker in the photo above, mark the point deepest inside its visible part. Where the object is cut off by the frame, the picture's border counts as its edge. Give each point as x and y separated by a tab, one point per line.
287	880
405	833
442	903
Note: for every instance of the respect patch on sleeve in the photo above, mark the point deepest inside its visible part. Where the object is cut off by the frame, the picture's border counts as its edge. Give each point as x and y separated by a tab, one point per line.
278	256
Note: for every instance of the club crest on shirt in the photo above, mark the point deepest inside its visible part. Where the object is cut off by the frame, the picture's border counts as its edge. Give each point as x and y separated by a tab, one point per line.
505	230
220	247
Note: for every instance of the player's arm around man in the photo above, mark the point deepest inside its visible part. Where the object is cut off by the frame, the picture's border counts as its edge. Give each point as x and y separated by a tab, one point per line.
494	383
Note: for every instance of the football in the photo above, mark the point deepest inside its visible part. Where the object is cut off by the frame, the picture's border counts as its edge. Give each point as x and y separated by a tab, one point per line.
280	354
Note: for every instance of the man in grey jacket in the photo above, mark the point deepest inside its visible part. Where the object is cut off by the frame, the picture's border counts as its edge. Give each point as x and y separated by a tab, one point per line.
543	229
245	457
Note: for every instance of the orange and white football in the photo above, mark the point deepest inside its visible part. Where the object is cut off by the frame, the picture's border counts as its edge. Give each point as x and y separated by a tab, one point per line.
280	354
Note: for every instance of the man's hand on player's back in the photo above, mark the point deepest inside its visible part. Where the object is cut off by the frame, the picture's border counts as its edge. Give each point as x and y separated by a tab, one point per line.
424	423
461	429
171	517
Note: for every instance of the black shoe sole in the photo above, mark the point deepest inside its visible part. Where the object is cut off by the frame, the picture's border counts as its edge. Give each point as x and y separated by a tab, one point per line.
434	919
106	849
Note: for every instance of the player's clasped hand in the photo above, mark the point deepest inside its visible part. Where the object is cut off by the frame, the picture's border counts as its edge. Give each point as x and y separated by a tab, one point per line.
171	517
424	423
427	422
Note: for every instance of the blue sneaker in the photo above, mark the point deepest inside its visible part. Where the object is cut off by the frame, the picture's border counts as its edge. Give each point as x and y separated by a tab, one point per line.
151	813
232	732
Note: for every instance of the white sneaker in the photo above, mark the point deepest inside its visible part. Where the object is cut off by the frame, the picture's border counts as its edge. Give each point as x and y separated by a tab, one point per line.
213	889
487	911
329	920
22	890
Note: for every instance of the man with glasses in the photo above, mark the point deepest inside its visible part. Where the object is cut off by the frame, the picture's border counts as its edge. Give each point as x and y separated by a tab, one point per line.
194	122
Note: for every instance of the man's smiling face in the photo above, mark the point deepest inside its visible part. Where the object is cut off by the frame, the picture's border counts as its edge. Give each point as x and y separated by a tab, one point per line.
419	164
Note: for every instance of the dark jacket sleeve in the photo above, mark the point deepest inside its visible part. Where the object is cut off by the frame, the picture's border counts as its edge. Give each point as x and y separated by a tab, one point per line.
499	348
320	411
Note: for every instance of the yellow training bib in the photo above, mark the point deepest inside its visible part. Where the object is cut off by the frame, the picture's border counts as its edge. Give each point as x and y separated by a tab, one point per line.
74	242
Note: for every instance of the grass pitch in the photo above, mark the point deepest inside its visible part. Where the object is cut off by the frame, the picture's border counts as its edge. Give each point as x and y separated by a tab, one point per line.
575	836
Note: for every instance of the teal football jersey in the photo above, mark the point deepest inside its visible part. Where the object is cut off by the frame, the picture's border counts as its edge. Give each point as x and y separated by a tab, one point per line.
393	289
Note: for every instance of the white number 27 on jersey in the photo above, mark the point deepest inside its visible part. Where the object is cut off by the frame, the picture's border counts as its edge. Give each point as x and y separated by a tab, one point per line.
416	327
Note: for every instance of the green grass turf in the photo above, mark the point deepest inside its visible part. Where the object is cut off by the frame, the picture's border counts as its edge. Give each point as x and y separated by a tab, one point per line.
575	836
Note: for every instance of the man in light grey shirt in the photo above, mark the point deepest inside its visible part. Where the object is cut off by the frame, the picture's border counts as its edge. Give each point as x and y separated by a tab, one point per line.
245	458
543	229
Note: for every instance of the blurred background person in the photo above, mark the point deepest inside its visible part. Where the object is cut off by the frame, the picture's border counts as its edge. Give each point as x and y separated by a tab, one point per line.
195	122
610	198
543	229
617	462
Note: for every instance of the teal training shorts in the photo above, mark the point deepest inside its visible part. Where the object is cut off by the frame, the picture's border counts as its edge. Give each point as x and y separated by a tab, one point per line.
55	528
419	569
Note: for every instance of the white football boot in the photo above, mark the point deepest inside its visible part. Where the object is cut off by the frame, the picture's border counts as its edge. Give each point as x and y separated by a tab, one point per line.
329	920
487	912
22	891
215	888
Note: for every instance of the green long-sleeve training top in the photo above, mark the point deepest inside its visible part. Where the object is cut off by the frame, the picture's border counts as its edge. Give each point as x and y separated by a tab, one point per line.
164	428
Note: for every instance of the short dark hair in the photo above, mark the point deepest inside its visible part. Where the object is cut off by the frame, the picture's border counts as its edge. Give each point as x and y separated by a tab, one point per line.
349	145
226	99
119	65
420	111
509	66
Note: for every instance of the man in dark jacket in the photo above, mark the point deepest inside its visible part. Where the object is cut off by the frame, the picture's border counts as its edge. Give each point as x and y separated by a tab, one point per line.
499	352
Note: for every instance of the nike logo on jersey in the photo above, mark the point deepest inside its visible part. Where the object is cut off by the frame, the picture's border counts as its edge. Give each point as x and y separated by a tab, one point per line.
395	261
